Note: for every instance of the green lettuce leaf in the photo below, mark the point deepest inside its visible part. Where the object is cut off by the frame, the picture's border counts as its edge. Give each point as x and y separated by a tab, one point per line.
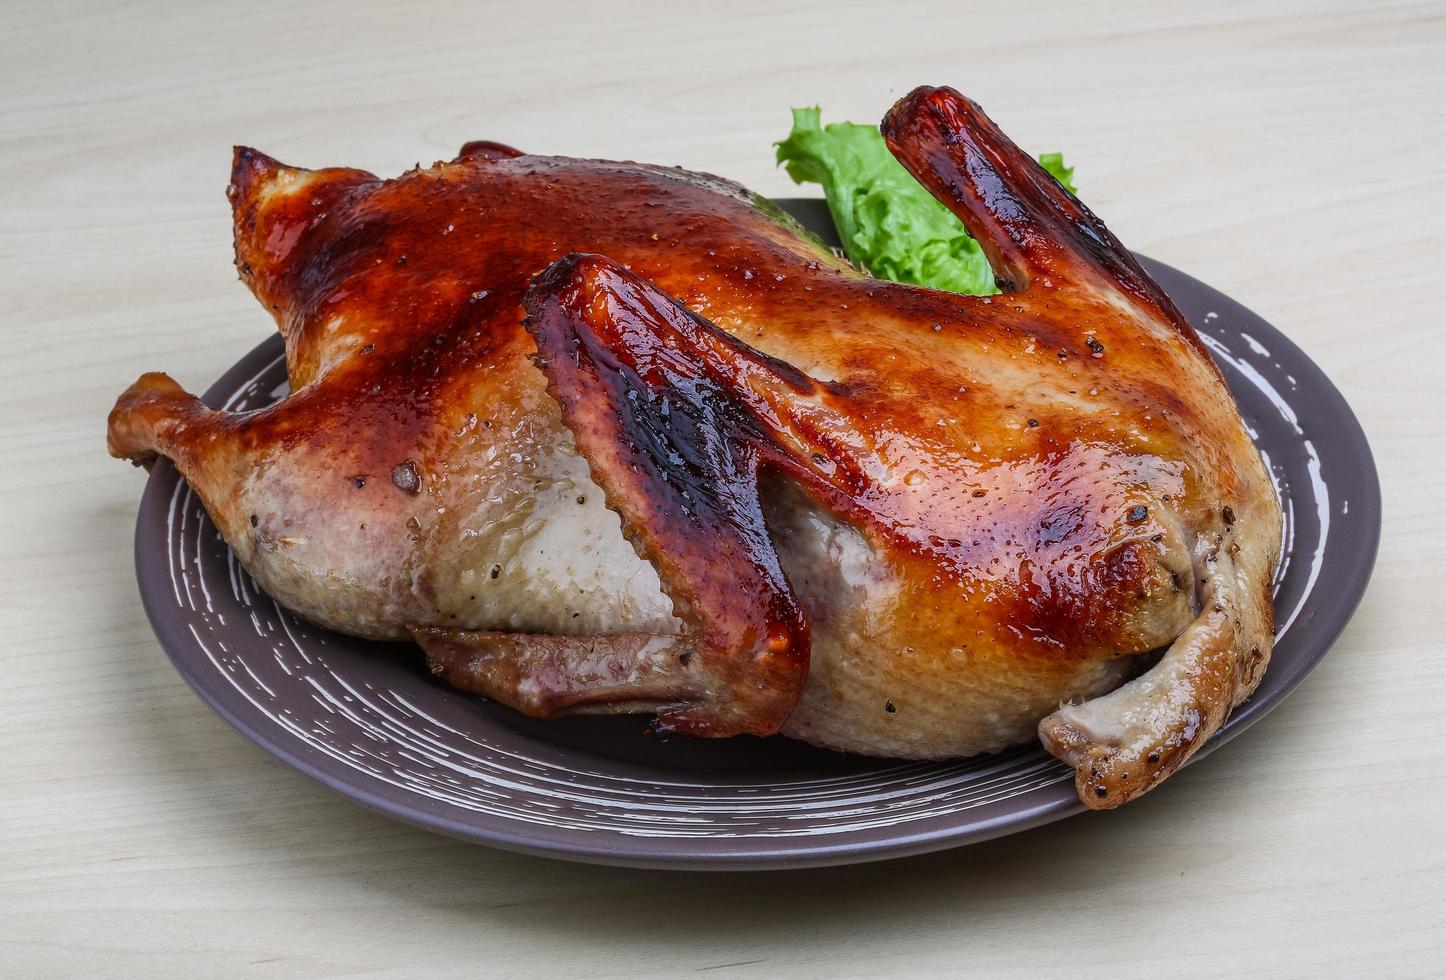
889	224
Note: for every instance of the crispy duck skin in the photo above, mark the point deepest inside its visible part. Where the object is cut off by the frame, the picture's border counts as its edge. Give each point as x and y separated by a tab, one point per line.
611	437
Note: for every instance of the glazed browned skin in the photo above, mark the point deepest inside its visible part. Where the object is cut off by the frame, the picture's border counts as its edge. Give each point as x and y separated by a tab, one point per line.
880	518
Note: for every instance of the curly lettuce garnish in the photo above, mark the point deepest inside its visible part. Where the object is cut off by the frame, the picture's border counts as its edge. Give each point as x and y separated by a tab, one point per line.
889	224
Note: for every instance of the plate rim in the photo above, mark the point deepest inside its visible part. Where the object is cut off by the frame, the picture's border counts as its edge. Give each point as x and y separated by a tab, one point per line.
774	853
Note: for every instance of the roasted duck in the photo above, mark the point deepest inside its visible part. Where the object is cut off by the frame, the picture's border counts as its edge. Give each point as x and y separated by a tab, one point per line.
610	437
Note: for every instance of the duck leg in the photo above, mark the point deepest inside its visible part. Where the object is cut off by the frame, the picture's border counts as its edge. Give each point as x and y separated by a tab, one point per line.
157	417
277	489
1035	234
1126	742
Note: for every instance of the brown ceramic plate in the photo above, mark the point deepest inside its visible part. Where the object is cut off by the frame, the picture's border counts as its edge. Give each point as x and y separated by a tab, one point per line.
367	720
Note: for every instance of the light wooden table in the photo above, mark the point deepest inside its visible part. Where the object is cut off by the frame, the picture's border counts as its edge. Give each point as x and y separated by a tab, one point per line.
1292	154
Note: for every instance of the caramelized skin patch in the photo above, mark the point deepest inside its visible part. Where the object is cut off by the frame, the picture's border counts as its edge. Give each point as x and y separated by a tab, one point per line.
974	509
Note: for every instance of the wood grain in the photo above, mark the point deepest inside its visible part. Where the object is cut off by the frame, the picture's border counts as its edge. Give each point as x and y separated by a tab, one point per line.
1292	154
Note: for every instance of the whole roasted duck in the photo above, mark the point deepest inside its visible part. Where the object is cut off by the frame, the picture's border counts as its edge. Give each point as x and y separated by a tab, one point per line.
612	437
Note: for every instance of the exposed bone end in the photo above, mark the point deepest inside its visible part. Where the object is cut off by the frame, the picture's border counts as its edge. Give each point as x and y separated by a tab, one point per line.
1108	773
145	414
